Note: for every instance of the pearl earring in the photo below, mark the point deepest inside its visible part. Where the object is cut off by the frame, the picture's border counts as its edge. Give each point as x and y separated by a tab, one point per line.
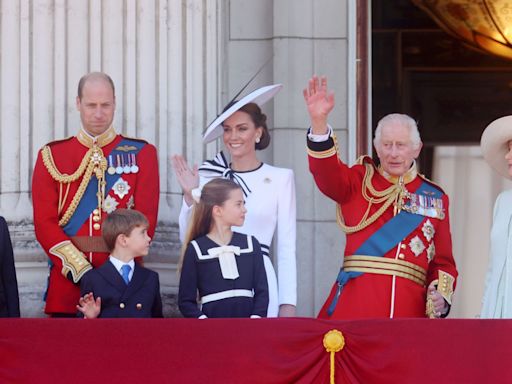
257	140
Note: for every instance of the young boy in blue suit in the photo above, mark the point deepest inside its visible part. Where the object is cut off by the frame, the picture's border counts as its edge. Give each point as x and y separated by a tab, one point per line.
121	287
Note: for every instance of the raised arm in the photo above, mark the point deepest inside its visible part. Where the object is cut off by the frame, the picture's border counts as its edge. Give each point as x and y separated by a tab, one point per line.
186	176
320	102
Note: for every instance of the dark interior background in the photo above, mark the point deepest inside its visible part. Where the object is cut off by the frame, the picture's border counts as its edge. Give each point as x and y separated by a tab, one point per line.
452	90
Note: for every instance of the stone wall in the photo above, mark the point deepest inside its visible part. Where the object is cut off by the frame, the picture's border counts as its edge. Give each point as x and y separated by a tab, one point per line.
175	64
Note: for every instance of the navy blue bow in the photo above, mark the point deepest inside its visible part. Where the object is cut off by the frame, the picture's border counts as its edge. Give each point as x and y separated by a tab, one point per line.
219	167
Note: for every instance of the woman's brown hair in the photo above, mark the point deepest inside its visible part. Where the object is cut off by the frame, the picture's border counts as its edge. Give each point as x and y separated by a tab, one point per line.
259	119
215	192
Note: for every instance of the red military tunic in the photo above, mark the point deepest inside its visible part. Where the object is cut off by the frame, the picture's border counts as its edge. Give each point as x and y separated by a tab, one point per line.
138	190
427	247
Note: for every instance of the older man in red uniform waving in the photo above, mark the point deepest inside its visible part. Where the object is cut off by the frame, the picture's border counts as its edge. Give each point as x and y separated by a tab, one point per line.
398	257
78	181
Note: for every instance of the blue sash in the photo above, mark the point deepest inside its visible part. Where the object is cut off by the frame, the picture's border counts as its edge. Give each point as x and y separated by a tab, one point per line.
384	239
89	200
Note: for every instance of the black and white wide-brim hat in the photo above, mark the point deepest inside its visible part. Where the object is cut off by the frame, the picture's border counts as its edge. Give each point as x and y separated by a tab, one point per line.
494	144
260	96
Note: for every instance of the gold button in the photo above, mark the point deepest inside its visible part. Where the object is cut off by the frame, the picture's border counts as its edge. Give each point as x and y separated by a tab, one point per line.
96	226
403	246
121	305
139	306
401	256
96	211
96	218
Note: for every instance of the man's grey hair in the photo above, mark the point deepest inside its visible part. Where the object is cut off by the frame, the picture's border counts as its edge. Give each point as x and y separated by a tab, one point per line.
399	119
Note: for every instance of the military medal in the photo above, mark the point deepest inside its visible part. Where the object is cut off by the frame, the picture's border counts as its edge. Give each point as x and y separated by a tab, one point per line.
134	167
425	205
126	166
111	169
119	168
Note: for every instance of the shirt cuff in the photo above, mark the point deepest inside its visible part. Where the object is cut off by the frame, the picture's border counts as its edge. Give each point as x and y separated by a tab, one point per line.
320	138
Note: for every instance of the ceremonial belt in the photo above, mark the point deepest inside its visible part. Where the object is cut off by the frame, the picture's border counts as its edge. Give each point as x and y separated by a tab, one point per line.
90	243
226	295
384	266
89	200
383	240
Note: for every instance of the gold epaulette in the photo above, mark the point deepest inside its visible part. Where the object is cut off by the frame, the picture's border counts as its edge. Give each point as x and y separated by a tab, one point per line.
73	260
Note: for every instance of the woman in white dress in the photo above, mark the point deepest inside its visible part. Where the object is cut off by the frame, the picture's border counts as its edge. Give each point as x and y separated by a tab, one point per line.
269	191
496	144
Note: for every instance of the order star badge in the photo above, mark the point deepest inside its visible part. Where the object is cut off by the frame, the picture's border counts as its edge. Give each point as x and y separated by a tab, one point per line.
121	188
428	230
109	204
416	246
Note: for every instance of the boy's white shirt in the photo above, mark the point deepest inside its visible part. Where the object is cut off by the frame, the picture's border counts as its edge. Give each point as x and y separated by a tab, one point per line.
118	264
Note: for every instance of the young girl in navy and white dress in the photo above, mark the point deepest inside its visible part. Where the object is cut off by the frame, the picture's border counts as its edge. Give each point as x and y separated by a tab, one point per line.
269	191
223	268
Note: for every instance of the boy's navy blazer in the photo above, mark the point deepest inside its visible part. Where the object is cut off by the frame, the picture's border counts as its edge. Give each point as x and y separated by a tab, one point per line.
140	298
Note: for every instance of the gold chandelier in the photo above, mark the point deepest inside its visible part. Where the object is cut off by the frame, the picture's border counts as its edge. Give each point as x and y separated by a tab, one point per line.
483	24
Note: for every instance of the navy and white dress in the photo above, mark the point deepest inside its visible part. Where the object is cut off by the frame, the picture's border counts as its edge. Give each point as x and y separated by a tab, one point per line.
223	281
271	209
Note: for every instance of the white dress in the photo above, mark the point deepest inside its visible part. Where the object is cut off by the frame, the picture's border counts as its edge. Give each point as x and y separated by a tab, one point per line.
497	300
270	202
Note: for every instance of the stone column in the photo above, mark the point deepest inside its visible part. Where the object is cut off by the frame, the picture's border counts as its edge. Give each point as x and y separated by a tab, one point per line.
163	57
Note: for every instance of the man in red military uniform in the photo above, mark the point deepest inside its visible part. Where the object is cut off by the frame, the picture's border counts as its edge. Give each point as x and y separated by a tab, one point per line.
78	181
398	257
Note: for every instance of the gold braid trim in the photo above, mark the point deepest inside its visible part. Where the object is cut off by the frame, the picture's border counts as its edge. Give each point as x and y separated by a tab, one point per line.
93	162
334	150
78	196
46	154
445	286
73	260
391	195
322	154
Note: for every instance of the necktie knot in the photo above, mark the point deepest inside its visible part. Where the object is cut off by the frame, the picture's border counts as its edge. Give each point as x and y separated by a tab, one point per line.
125	272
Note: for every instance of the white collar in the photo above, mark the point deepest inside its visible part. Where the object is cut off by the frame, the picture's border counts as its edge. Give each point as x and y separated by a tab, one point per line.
118	263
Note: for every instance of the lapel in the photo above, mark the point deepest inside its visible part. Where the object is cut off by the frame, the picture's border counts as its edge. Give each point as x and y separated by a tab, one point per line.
112	276
139	277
